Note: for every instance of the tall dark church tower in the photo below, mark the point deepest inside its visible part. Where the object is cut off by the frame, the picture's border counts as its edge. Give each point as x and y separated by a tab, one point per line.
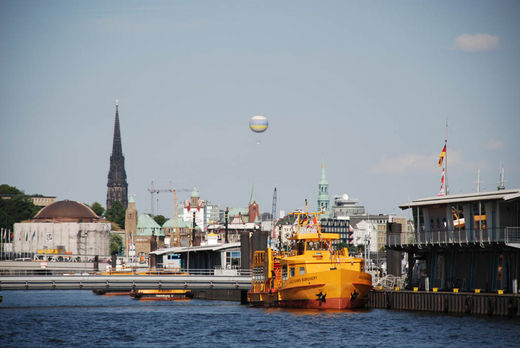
117	188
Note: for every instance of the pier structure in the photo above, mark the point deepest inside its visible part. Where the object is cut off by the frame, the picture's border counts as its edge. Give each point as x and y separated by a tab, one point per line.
126	282
469	242
446	302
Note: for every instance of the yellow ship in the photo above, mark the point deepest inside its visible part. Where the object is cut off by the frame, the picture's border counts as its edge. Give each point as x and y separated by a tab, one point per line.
314	274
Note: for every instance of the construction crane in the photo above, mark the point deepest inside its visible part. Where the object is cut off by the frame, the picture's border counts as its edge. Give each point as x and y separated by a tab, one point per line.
155	191
273	211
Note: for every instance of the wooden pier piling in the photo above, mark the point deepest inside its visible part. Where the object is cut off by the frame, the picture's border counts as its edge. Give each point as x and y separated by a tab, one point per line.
446	302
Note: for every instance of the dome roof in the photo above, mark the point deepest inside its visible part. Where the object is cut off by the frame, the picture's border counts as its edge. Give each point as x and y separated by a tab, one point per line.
66	210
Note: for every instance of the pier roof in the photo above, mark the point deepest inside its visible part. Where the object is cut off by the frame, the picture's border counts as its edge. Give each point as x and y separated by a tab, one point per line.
178	250
505	195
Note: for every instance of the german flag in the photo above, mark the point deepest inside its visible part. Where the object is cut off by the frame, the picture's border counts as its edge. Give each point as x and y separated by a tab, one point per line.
443	154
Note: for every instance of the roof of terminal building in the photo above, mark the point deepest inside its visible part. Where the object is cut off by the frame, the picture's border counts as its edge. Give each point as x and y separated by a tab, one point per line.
505	195
66	210
179	250
180	223
146	225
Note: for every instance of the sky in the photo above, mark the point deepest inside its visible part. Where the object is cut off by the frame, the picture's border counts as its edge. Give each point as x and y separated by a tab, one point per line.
362	87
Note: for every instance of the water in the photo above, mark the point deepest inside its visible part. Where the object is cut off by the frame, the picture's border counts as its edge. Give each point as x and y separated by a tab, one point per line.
82	319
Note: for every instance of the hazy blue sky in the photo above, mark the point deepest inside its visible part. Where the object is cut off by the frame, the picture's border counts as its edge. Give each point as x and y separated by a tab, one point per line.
362	86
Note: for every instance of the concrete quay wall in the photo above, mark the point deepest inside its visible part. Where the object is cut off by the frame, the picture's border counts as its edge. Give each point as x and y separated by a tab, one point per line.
446	302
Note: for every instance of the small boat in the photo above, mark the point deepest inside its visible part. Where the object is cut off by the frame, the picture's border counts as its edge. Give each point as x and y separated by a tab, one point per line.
316	273
161	295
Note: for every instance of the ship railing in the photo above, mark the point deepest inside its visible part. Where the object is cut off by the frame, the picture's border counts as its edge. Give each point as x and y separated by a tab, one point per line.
505	235
388	282
23	270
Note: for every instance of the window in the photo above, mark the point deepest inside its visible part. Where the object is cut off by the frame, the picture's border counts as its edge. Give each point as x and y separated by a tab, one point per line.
258	274
292	272
302	270
233	259
284	272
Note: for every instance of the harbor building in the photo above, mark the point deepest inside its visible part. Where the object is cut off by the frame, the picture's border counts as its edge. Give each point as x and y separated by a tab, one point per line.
37	200
178	233
464	241
148	236
65	228
345	207
117	187
130	228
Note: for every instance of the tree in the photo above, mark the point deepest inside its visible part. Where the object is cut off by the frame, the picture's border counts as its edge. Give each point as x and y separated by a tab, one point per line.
116	244
9	190
160	219
116	214
15	209
97	208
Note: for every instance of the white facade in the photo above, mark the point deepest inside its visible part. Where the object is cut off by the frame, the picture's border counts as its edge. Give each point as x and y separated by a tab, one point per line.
365	232
200	217
76	238
286	231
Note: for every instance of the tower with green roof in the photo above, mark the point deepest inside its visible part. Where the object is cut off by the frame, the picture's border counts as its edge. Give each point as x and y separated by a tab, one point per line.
323	195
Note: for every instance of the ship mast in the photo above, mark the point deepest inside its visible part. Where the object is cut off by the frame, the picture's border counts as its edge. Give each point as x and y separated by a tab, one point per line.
446	162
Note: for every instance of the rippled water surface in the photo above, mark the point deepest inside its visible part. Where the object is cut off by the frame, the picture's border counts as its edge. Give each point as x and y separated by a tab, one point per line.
82	319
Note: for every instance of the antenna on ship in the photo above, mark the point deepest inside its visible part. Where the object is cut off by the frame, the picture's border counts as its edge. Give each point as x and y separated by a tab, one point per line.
446	162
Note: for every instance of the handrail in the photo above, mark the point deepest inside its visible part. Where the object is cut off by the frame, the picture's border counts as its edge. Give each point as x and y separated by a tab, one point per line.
506	235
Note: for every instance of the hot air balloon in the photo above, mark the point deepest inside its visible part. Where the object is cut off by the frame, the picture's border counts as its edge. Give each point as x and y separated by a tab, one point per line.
258	124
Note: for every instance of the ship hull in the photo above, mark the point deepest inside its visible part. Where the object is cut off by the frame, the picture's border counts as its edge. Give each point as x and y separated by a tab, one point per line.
334	289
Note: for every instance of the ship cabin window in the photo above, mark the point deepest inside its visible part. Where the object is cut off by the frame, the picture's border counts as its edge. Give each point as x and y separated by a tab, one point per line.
284	272
291	272
258	274
300	247
302	270
317	246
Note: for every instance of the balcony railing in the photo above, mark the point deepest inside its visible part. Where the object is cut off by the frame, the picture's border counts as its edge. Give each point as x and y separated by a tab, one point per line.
507	235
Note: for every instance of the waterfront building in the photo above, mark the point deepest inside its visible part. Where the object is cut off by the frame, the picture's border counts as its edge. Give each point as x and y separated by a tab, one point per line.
237	224
65	228
340	226
217	259
179	233
345	207
117	187
37	200
253	209
464	241
148	237
323	195
373	229
196	208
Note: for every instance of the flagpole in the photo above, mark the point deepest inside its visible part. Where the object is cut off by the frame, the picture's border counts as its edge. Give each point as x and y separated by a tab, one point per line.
446	162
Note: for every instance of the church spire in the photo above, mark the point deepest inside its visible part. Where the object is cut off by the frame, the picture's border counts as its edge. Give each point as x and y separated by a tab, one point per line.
117	187
116	145
253	196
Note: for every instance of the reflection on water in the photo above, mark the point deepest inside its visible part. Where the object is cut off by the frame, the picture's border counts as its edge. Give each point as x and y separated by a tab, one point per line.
82	319
316	312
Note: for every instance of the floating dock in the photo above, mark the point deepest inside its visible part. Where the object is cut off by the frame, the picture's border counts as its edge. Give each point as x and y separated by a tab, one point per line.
446	302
